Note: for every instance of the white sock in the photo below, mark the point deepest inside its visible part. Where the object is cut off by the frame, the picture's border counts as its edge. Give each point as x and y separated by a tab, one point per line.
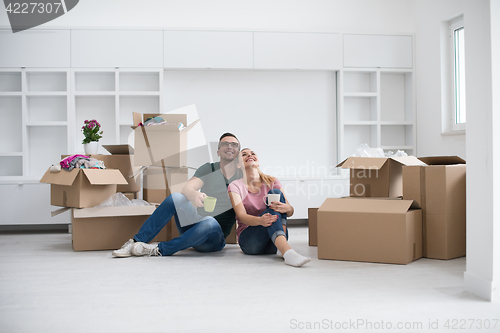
292	258
278	252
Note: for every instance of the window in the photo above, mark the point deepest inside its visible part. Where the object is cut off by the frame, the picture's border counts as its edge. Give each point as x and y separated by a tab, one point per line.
457	40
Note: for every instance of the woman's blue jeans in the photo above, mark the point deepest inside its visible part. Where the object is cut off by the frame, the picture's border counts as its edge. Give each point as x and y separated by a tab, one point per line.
205	236
259	239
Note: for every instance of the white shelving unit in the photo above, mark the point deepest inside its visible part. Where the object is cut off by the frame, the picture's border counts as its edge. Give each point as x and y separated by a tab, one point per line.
376	107
46	108
35	104
111	95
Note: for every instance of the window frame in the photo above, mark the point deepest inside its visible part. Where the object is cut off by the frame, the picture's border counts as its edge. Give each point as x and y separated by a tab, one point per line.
454	25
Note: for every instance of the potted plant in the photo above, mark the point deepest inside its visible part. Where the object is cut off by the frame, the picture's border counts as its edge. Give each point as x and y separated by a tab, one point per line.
92	134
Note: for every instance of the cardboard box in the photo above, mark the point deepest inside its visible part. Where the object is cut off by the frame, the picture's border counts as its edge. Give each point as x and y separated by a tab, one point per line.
439	188
131	195
231	238
108	228
160	182
377	177
162	142
312	214
122	158
370	230
82	188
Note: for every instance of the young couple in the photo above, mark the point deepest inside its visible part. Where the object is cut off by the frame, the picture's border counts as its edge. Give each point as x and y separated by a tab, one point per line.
239	187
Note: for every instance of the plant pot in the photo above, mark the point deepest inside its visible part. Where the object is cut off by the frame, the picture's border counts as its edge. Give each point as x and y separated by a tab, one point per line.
91	148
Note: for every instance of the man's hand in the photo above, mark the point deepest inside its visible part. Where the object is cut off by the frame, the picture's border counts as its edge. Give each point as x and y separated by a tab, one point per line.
198	199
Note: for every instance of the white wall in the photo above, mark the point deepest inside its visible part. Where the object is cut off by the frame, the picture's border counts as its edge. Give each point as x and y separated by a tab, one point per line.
393	16
287	117
482	56
429	17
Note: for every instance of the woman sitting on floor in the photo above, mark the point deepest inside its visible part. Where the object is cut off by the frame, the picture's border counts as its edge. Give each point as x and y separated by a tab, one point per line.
261	229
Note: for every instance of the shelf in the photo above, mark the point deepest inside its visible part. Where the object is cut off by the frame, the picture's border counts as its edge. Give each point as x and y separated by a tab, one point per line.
95	81
139	81
360	81
10	82
46	123
46	145
12	116
46	81
358	134
360	109
2	93
141	104
360	123
95	93
11	166
360	94
18	153
139	93
47	108
46	93
396	101
396	135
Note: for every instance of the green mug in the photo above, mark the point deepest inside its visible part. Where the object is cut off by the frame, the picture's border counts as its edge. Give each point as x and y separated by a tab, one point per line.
209	204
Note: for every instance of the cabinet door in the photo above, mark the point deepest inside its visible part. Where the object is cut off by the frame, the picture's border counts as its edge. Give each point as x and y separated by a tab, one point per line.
208	49
378	51
297	51
35	48
116	48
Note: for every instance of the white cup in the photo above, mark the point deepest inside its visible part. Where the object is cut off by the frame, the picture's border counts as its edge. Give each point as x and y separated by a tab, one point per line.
271	198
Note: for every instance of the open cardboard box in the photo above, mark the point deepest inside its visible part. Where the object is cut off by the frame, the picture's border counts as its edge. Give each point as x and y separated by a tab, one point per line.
108	228
370	230
312	215
82	188
121	158
439	188
377	176
162	142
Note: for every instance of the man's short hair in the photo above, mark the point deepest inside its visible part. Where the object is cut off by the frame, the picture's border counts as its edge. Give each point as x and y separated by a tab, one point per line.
227	134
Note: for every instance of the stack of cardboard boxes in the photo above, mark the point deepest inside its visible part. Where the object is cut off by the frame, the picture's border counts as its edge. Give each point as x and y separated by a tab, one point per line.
102	228
375	224
165	164
160	153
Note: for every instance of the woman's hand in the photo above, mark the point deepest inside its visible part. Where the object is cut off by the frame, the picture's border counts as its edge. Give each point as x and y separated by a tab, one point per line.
267	219
281	207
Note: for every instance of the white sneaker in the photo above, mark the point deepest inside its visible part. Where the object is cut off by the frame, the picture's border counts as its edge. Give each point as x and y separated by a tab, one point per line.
142	249
125	250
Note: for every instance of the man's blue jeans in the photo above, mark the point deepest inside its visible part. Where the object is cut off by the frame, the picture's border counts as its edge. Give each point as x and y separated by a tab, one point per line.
259	239
205	236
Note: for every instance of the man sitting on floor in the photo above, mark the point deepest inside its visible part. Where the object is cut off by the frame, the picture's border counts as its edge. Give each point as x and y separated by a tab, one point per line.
206	232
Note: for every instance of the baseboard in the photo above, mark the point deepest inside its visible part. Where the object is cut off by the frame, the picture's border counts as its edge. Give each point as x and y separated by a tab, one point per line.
65	227
34	228
297	221
481	287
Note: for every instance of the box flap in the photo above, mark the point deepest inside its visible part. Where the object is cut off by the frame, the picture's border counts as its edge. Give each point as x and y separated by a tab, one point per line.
137	118
367	205
369	163
442	160
113	211
408	160
104	177
62	177
119	149
190	126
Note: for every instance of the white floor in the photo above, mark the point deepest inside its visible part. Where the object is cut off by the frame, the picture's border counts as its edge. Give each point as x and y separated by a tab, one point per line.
46	287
